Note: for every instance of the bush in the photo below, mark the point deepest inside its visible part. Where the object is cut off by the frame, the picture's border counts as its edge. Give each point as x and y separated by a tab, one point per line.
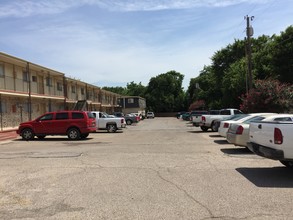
268	96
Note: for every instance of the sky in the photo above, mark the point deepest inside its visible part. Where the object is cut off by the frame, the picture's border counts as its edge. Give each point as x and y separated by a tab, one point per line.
115	42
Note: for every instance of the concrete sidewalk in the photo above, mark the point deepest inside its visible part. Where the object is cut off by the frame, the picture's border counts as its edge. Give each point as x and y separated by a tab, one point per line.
8	135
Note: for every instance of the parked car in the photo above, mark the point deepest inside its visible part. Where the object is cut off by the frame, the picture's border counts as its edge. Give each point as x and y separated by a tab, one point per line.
179	114
223	125
196	117
150	115
209	121
272	138
75	124
131	118
118	114
238	133
186	116
107	122
138	115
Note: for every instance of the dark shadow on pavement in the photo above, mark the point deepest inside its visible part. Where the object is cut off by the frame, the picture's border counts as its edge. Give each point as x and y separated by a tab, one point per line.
53	139
275	177
221	141
197	132
236	151
215	135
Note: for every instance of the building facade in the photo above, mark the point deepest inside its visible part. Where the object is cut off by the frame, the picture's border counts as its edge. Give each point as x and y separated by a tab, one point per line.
28	90
132	104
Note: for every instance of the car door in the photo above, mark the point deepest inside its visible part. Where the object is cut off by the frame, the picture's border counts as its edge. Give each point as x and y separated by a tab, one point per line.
61	123
43	125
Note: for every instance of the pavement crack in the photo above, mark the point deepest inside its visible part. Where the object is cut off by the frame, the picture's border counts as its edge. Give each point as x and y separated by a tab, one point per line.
186	193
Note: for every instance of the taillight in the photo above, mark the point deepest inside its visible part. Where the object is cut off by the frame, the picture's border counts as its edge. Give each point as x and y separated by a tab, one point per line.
226	125
122	120
239	130
278	136
203	118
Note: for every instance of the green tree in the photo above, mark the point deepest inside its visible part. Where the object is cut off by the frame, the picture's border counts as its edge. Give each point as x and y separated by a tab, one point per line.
165	93
119	90
234	84
134	89
282	56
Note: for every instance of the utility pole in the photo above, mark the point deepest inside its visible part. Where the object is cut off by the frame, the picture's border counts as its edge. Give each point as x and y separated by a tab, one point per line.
249	34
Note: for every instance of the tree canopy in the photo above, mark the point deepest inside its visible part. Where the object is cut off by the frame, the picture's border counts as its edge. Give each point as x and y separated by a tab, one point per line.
223	83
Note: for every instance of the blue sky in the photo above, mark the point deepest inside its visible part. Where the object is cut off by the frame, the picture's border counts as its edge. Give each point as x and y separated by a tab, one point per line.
113	42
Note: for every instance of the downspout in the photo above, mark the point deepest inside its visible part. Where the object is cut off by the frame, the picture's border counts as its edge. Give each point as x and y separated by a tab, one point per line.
64	92
1	113
29	92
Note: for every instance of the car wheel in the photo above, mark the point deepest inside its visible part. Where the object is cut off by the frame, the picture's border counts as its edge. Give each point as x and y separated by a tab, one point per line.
41	136
287	163
83	136
204	128
73	134
27	134
111	128
128	122
214	127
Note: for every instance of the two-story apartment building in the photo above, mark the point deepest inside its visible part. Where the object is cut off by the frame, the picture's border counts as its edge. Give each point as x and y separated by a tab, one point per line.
131	104
28	90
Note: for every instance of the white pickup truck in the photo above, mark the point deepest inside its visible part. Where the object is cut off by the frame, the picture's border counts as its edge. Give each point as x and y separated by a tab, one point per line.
107	122
273	140
209	121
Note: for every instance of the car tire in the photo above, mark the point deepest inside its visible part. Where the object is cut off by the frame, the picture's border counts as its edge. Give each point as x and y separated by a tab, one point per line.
27	134
41	137
204	128
111	128
73	134
84	136
214	127
287	163
128	122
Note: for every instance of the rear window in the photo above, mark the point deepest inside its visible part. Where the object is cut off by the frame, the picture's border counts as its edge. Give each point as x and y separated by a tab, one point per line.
214	112
225	112
77	115
283	119
254	119
237	112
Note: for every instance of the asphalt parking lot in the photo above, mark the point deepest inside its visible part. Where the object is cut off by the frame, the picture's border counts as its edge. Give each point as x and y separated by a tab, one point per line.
161	168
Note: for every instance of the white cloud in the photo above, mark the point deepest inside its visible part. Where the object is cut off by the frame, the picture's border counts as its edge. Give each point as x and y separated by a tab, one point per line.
24	8
119	47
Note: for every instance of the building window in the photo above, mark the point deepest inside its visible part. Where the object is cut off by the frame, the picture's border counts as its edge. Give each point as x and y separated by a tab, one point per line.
25	76
34	78
48	81
82	91
1	70
130	101
59	86
73	89
27	107
3	107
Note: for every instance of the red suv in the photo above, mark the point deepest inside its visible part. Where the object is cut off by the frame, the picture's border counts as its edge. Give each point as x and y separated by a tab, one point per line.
75	124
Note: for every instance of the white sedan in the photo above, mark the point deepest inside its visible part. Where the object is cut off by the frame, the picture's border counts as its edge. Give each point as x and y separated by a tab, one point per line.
238	133
224	125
